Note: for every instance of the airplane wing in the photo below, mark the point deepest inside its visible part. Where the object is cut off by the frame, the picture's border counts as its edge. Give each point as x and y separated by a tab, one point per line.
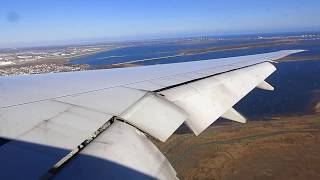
94	124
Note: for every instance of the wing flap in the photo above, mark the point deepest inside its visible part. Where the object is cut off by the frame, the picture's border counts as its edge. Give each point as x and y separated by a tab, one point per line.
147	111
155	115
120	152
206	100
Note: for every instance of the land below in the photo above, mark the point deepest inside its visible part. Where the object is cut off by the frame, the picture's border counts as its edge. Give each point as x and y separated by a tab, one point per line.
299	58
284	147
241	46
57	59
47	60
188	52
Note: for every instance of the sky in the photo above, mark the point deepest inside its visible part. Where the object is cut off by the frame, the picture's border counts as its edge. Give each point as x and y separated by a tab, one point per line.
44	22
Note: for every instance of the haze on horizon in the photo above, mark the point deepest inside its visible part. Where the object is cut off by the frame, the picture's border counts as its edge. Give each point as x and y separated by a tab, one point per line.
35	22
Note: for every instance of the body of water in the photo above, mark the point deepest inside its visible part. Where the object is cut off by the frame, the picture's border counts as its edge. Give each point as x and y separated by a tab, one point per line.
296	82
296	86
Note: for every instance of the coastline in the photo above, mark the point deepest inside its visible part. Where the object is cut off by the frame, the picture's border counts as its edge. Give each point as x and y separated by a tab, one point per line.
299	58
136	62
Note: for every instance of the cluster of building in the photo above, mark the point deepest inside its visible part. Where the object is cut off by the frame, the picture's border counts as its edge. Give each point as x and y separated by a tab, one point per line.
41	68
14	56
44	60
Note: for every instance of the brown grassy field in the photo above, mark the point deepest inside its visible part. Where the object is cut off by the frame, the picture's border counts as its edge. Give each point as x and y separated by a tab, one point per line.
281	148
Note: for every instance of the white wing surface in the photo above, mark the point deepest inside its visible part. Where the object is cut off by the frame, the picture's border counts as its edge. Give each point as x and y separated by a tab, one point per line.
46	116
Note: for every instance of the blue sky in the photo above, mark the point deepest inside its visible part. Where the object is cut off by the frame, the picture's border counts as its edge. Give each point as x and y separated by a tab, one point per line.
40	22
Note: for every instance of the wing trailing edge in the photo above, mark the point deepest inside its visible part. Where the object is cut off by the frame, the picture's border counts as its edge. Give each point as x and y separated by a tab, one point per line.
208	99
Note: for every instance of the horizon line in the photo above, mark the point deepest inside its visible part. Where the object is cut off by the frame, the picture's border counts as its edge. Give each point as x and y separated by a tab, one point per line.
146	38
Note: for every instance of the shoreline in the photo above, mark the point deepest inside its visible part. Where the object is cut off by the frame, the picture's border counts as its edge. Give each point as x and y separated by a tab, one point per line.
136	62
299	58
